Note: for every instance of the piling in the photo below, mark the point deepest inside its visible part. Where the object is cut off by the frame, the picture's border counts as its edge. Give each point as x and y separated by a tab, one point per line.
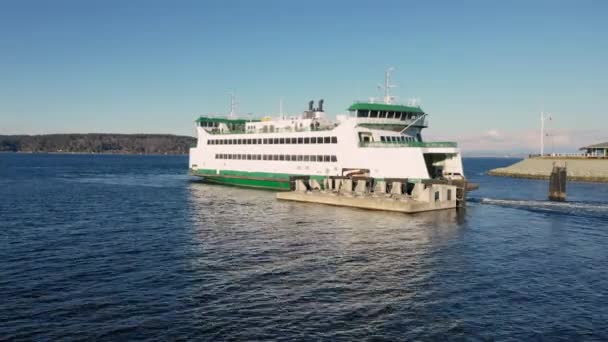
557	183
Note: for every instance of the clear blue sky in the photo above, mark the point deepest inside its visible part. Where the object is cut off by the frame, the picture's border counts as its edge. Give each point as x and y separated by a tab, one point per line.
152	66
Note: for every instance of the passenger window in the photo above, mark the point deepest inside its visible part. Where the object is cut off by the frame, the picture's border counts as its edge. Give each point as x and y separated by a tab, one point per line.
293	157
265	157
306	158
300	158
362	113
313	158
319	158
382	139
334	159
326	159
300	140
281	140
294	140
373	114
287	157
276	140
265	141
307	140
327	140
334	140
281	157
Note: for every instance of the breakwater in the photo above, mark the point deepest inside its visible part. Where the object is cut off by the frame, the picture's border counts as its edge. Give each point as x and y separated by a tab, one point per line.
586	170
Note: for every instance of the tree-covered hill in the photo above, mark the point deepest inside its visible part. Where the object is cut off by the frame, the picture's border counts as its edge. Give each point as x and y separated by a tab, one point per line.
98	143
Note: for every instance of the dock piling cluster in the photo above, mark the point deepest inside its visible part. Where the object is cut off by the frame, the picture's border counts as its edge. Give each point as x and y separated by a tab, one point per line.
557	183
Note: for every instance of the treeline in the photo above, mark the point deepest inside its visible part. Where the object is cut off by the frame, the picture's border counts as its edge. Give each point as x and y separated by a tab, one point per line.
98	143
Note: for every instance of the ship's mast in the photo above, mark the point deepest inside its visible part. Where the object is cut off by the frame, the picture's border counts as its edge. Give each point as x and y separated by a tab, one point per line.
388	99
232	106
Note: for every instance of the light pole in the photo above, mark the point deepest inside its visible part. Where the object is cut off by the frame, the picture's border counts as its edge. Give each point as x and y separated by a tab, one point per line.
543	116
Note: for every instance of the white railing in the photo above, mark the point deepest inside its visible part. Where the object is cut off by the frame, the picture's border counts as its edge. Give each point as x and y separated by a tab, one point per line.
380	100
568	155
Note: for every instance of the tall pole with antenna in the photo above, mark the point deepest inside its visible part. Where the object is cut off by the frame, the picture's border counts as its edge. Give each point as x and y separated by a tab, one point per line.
543	116
232	105
542	133
388	99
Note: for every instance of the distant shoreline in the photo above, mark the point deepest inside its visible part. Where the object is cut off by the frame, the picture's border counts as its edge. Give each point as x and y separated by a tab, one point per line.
98	143
95	153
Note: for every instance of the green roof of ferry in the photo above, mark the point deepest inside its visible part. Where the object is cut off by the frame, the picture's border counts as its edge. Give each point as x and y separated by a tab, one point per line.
385	107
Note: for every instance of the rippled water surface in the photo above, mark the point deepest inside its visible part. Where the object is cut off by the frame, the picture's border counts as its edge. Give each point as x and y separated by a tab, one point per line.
130	247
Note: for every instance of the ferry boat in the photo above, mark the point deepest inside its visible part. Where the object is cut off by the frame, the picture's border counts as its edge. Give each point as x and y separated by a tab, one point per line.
379	139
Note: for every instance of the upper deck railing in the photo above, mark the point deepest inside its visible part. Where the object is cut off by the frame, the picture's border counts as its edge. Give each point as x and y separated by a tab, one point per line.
408	144
216	131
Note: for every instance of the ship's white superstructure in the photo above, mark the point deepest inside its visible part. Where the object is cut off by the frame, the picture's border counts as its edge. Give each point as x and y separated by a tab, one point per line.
380	140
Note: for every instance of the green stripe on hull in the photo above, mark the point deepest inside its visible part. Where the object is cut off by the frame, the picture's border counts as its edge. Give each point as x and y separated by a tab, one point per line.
249	183
260	180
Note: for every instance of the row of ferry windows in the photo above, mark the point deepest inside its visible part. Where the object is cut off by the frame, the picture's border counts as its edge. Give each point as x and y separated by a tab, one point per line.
280	157
396	139
209	124
387	115
268	141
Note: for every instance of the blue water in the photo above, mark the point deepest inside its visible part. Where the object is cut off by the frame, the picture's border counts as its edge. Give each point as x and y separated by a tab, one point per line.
129	247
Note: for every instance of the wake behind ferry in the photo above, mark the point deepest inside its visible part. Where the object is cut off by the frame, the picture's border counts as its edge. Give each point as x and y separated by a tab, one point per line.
378	139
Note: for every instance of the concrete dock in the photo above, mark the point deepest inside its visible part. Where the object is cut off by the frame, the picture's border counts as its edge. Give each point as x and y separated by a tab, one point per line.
375	195
584	170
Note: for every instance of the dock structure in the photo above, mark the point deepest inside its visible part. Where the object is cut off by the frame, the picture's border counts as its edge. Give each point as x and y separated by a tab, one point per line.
557	183
396	195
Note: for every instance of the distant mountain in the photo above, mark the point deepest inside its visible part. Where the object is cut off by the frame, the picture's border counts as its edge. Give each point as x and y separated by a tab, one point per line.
98	143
